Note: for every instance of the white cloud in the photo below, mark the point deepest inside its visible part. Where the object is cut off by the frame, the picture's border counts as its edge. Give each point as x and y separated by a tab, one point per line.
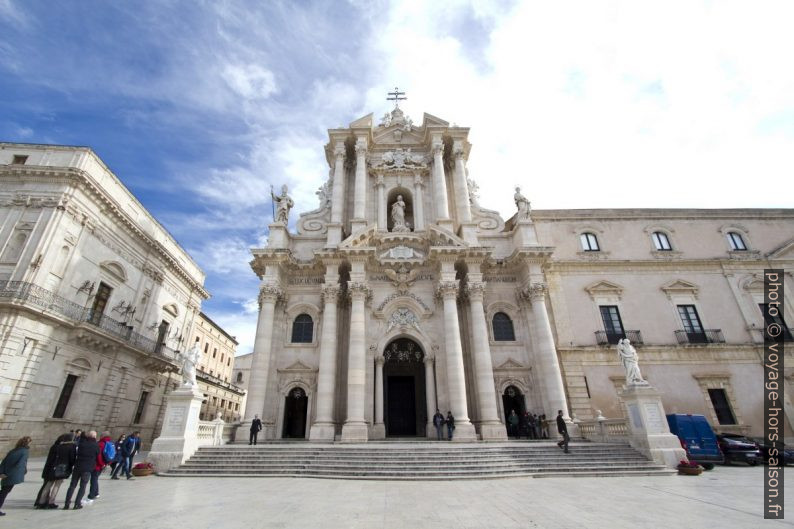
251	81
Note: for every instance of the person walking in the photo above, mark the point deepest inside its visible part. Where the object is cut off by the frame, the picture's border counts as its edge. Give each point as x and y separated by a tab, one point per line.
87	453
136	447
117	461
57	467
256	427
438	422
127	450
107	452
13	468
450	425
512	424
563	430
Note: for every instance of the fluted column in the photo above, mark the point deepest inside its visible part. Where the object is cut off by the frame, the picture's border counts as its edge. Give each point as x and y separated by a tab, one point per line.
430	394
490	426
338	191
355	428
419	205
461	189
360	196
547	352
440	182
456	376
323	428
269	294
382	206
379	429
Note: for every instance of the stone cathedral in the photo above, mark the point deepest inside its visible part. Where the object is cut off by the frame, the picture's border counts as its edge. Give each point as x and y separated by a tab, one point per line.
383	305
401	294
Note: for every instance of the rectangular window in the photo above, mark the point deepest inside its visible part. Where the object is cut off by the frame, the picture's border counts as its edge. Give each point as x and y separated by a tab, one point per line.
214	401
589	242
141	407
66	394
19	159
100	301
737	243
223	403
214	352
613	325
236	406
222	357
661	241
206	348
691	322
719	399
778	320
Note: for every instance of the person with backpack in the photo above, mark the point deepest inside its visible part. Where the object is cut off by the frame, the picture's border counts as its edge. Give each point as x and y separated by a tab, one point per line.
57	467
128	449
107	453
117	460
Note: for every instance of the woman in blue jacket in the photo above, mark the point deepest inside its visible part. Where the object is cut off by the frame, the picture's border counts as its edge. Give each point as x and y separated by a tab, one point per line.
13	468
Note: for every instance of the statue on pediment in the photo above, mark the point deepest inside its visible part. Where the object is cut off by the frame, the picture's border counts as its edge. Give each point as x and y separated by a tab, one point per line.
628	357
523	205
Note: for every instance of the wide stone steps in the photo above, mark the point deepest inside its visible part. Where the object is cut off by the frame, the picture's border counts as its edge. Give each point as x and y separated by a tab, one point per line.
416	460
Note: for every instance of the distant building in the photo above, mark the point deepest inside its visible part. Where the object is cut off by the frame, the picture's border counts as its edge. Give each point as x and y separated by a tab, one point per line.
241	374
214	373
96	298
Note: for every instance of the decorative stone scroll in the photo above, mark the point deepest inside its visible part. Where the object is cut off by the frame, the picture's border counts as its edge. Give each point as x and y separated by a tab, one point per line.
403	317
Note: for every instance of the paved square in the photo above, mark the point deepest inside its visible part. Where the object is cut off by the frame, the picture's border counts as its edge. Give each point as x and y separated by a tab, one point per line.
725	497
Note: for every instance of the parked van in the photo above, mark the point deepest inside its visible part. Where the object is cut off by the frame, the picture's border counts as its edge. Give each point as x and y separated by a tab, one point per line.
697	438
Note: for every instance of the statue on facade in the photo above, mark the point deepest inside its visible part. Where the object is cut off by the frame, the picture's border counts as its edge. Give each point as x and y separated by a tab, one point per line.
523	205
628	357
190	360
283	204
398	216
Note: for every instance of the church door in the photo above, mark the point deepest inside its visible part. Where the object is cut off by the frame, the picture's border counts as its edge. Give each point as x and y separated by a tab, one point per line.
513	400
404	404
295	406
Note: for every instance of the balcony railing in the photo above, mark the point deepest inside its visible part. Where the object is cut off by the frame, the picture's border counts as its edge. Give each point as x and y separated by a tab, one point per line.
605	338
21	291
704	336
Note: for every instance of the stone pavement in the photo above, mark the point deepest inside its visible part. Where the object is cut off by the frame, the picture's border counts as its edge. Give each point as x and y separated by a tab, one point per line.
726	497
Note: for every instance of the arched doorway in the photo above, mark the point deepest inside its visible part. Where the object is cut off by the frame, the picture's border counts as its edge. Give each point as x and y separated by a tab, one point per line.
513	399
296	405
404	389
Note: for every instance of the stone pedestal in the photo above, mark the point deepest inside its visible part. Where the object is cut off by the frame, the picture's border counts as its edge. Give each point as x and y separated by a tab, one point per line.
334	234
278	236
468	232
179	436
447	224
648	428
524	234
357	225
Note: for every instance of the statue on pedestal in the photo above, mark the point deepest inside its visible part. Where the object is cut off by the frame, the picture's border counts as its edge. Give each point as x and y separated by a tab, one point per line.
190	360
283	204
398	216
628	357
523	205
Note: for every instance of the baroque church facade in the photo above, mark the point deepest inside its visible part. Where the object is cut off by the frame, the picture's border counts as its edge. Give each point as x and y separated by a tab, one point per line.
401	294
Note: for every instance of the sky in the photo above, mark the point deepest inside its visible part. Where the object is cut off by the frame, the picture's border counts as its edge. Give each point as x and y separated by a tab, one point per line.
200	106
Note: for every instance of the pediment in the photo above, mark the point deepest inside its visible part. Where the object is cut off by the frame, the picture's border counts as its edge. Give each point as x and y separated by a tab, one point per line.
429	120
114	269
362	122
396	134
297	366
679	286
441	237
786	251
510	364
604	288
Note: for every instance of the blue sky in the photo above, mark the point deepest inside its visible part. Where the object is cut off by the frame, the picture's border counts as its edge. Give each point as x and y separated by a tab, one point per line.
199	106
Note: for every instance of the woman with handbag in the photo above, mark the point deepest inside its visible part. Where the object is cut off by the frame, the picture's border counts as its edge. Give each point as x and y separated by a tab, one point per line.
58	467
13	468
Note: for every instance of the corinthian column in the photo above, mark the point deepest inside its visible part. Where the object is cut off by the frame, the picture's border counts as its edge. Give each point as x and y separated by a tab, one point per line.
355	428
440	185
379	429
547	352
323	428
430	395
419	205
269	294
338	191
456	376
382	222
360	195
490	426
461	189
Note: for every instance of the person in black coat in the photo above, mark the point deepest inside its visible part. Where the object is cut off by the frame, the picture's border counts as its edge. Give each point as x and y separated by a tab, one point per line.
563	430
87	454
256	427
59	464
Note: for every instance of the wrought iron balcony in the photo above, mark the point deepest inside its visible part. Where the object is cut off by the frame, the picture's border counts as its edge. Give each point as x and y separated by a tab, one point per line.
702	337
28	293
612	338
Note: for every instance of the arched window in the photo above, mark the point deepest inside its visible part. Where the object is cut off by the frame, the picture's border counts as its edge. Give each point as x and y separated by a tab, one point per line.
302	329
661	241
737	242
503	328
239	377
589	242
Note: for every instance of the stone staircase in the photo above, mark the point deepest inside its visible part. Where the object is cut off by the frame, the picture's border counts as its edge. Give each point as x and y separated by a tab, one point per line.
417	460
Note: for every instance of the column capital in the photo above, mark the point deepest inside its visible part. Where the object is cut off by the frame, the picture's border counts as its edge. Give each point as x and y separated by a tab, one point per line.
447	289
429	359
437	148
380	360
330	293
458	153
379	180
475	290
359	290
339	150
361	147
418	180
533	292
269	294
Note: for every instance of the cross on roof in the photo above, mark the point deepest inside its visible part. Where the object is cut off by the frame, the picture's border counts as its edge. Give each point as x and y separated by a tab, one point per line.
395	96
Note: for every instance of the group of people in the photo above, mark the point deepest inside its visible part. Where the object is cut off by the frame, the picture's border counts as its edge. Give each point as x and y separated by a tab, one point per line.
529	425
439	421
77	456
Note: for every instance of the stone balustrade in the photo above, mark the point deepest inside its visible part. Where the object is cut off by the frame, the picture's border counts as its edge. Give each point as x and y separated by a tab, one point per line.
605	430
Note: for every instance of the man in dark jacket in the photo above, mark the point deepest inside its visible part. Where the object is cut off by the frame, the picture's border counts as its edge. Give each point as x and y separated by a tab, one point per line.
563	430
256	427
87	454
128	448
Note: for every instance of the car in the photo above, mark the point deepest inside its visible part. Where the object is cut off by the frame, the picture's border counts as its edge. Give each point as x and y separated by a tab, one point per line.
739	448
697	438
764	446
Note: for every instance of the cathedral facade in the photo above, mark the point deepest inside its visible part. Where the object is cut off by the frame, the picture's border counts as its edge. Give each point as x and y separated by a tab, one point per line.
402	295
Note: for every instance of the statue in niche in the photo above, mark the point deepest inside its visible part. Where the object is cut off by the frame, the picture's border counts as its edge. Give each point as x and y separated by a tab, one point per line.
283	204
190	360
398	216
523	205
628	357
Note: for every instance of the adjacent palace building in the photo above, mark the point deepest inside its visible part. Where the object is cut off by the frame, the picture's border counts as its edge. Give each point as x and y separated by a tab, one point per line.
96	300
401	294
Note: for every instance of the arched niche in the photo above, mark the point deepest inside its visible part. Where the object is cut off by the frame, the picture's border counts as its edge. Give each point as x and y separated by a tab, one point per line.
407	197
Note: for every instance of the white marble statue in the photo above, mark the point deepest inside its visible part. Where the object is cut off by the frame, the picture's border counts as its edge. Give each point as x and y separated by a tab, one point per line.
190	360
398	216
523	205
628	357
283	204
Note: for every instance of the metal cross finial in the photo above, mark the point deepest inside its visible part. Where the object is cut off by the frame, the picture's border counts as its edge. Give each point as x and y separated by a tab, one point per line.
395	96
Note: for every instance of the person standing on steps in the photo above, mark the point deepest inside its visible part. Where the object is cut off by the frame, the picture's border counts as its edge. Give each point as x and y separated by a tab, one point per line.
438	422
450	425
13	468
256	427
563	430
512	424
